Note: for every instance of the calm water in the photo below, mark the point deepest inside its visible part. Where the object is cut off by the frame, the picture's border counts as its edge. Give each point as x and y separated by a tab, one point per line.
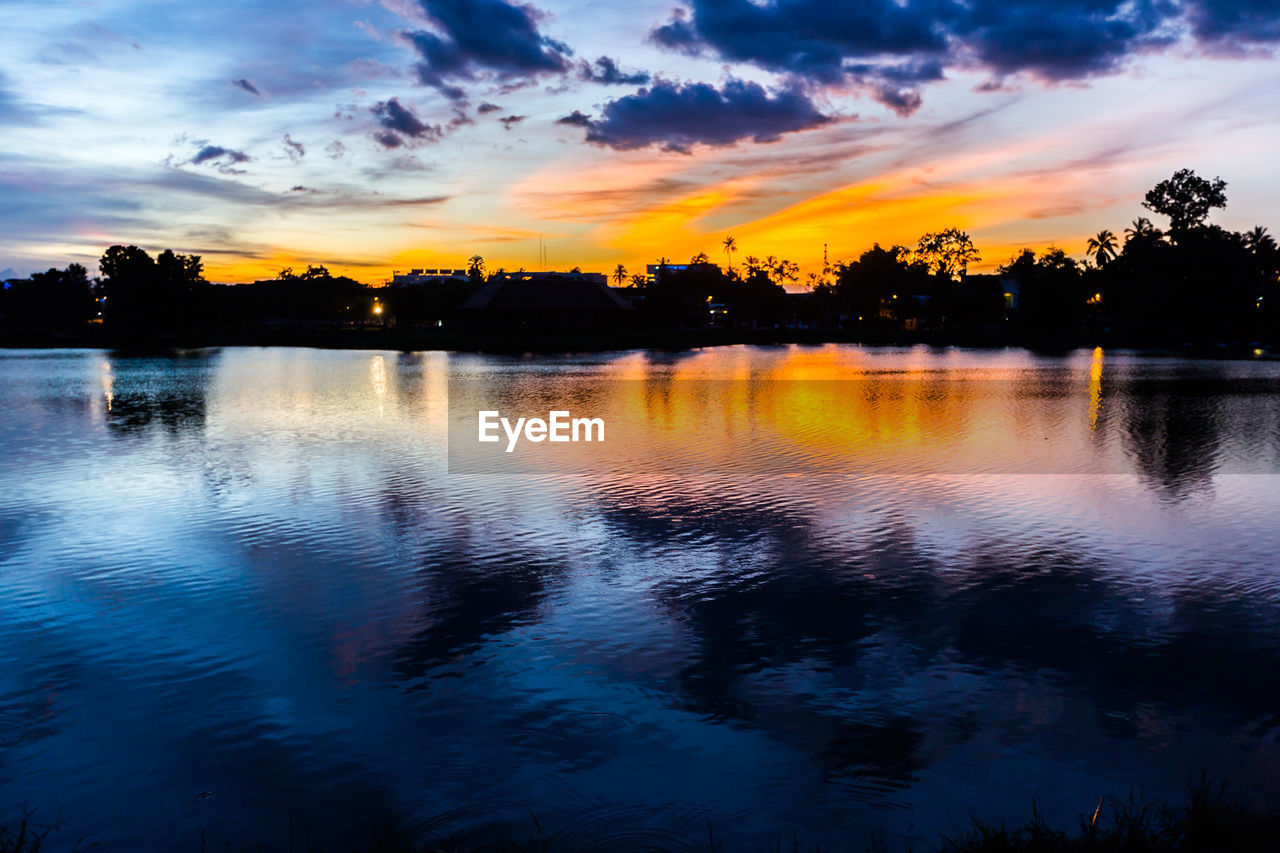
260	573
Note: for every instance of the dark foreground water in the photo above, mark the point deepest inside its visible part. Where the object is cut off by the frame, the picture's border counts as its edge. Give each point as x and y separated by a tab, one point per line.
259	573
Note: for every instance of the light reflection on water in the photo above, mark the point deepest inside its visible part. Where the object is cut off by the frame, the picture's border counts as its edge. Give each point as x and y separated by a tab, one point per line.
250	572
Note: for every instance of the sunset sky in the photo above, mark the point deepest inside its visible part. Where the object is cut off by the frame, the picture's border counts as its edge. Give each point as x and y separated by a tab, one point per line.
372	135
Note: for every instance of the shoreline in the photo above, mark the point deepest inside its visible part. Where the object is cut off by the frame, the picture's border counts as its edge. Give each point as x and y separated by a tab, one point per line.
549	342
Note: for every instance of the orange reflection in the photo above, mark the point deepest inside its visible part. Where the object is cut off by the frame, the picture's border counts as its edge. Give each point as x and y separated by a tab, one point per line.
1095	388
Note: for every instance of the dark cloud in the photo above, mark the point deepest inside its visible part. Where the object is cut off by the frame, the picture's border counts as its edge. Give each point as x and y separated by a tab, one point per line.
1056	42
295	151
246	85
679	116
225	159
487	107
509	121
398	122
606	72
888	48
483	37
902	101
810	38
1226	24
575	119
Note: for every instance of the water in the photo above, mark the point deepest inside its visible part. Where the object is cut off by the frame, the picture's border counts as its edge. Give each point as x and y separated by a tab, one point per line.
260	573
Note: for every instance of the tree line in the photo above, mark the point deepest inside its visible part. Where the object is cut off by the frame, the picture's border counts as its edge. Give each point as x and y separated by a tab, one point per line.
1192	281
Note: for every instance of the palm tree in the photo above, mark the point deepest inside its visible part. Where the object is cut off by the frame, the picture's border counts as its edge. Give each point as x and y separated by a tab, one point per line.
638	280
1102	246
475	267
698	259
1142	230
730	246
619	274
788	270
1259	241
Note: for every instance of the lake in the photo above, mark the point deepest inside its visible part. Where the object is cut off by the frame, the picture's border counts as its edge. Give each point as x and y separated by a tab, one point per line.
832	591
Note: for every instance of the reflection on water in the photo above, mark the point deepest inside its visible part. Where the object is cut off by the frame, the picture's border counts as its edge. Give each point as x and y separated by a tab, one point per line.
250	572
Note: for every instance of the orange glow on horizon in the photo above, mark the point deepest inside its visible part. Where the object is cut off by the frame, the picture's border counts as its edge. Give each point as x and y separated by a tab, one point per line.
635	216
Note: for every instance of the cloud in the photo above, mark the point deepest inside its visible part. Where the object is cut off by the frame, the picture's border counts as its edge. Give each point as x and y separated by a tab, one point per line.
487	107
398	122
904	102
1225	24
225	159
1071	41
483	38
679	116
889	48
295	151
575	119
246	85
509	121
606	72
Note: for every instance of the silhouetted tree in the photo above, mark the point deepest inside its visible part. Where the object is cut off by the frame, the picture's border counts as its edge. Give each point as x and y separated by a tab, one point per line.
1052	293
730	246
1186	198
1102	246
475	268
61	298
1142	230
150	296
947	252
1259	241
875	290
619	274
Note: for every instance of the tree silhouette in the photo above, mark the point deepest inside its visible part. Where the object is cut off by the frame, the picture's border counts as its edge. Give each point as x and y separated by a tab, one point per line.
1141	230
1186	199
1259	241
619	274
1102	246
947	252
786	270
730	246
475	267
152	294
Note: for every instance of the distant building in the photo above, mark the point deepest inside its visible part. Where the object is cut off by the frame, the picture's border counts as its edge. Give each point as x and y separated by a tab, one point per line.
426	276
547	300
552	275
652	270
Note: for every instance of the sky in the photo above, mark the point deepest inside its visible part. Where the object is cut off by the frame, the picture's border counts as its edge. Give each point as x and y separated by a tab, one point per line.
380	135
